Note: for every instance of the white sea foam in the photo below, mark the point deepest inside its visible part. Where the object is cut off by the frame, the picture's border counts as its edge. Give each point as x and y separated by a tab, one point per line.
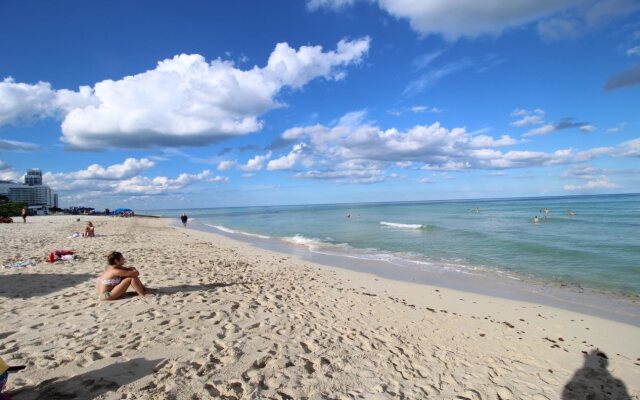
312	243
319	246
229	230
403	260
222	228
255	235
398	225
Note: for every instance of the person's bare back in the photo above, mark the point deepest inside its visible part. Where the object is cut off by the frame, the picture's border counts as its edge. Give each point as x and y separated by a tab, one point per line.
90	230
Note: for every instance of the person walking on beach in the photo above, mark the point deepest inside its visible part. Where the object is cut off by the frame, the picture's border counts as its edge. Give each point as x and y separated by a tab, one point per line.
23	212
116	278
184	219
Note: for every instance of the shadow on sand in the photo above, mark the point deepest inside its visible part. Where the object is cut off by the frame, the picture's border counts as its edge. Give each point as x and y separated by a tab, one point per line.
6	334
196	288
31	285
594	382
90	384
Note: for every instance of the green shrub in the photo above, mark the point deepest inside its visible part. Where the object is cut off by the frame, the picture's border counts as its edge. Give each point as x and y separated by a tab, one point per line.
11	209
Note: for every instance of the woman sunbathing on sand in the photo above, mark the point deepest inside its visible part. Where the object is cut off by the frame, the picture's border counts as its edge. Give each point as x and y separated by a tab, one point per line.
89	231
116	278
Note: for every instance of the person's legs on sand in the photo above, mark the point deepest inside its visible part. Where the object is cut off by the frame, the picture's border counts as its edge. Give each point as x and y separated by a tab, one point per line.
118	290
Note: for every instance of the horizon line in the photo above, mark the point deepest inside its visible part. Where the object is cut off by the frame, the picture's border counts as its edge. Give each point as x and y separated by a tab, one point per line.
407	201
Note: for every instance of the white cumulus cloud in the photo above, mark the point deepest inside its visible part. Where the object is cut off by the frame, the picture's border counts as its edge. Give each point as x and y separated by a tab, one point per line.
335	4
629	148
543	130
256	163
125	178
225	165
129	168
287	161
185	100
8	174
602	183
453	19
471	18
350	171
457	18
488	141
329	149
162	184
21	102
528	117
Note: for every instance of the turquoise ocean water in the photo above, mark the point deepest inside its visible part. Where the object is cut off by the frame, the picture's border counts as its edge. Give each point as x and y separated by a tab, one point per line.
599	248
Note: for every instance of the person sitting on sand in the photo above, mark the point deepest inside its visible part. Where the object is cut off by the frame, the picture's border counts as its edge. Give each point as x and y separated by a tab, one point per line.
116	278
90	230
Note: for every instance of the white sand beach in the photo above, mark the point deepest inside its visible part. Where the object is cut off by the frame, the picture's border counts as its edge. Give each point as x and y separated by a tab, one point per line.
232	321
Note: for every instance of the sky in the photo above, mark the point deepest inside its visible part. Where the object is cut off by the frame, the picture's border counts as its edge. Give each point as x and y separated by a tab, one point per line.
159	104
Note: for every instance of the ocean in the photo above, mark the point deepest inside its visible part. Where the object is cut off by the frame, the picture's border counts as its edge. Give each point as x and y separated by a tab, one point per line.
596	248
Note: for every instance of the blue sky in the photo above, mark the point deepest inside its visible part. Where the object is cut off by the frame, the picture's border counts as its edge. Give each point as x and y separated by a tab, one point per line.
204	104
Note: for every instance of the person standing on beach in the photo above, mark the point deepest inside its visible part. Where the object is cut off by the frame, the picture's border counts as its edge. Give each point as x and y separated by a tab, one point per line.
184	219
23	212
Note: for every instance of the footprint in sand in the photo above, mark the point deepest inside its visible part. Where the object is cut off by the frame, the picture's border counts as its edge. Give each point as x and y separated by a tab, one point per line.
231	390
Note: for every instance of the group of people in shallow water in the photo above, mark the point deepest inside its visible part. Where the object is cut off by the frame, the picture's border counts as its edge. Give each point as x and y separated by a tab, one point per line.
536	220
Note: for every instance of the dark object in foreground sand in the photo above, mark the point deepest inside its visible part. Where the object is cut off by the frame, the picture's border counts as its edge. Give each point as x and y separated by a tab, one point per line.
594	381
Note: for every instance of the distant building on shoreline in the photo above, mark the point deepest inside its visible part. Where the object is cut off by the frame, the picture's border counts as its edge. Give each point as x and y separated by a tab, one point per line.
32	192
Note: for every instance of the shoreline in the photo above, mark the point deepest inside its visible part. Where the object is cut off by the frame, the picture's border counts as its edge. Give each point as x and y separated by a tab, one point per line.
612	306
232	320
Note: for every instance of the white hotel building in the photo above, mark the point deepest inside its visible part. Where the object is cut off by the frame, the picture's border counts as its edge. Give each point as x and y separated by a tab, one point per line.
32	192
